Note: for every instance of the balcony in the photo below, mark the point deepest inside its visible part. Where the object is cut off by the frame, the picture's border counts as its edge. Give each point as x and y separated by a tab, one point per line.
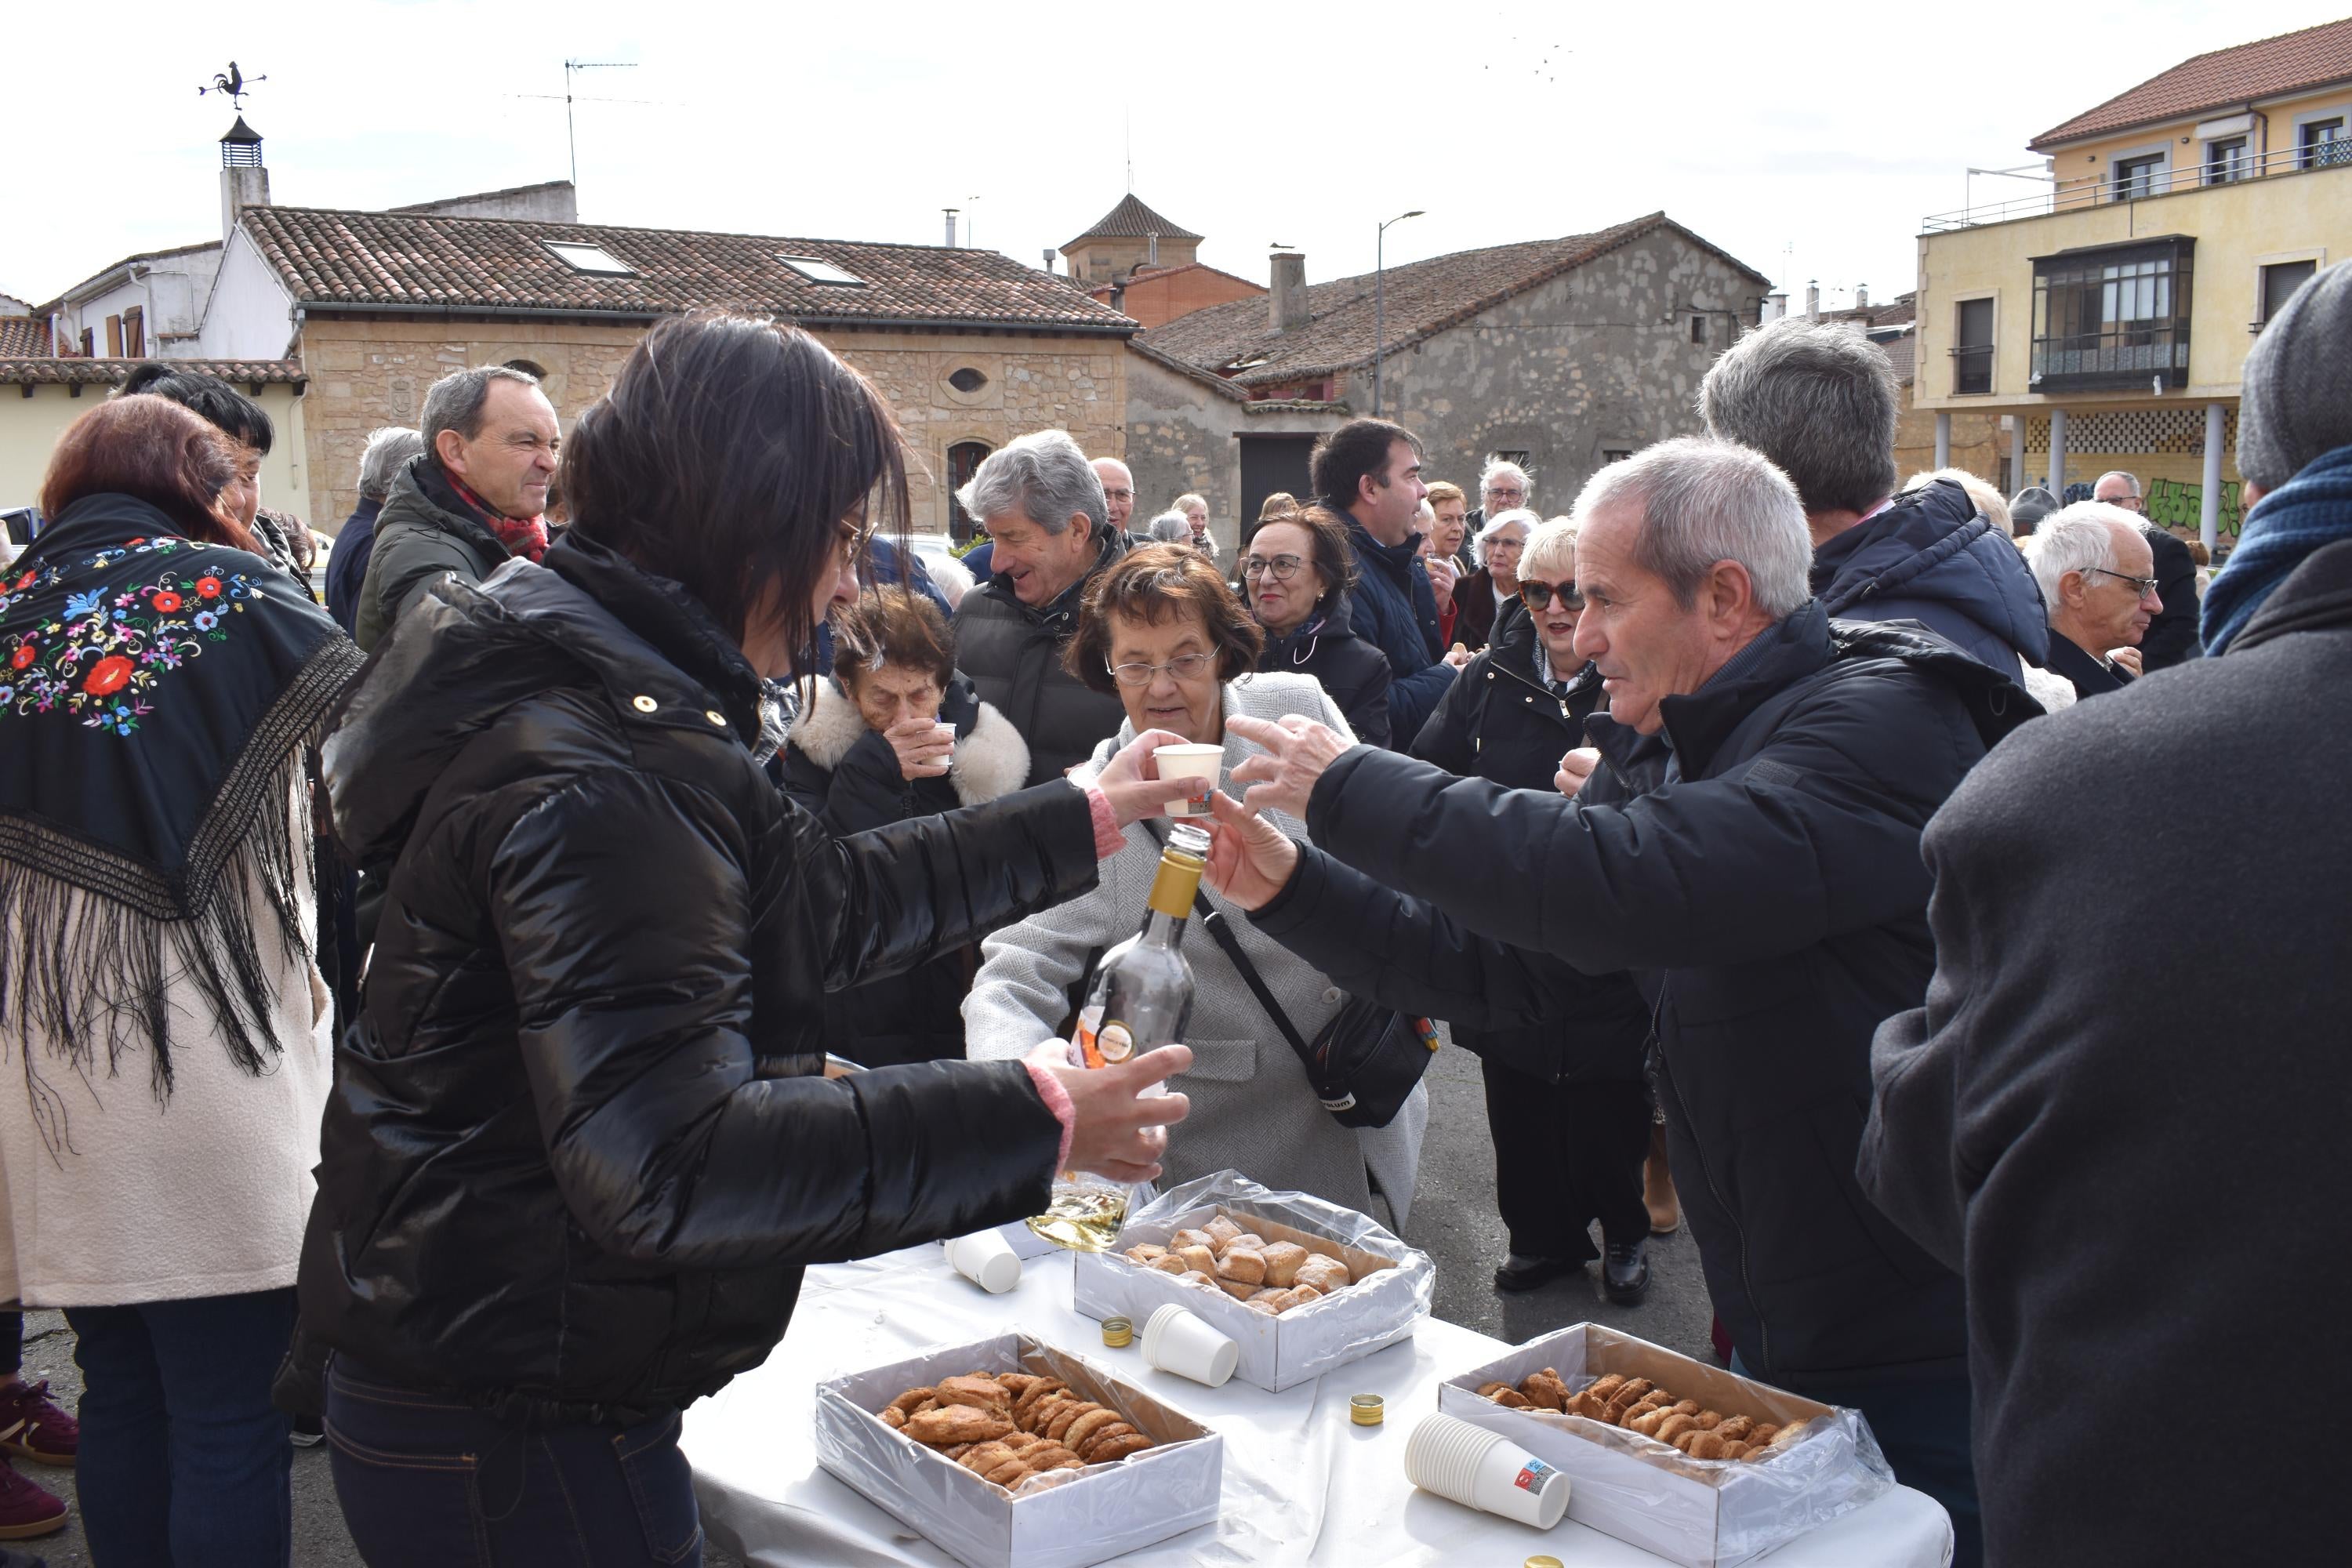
2124	184
2113	317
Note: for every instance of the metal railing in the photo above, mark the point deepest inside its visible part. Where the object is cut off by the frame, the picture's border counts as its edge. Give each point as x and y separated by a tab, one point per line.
2131	186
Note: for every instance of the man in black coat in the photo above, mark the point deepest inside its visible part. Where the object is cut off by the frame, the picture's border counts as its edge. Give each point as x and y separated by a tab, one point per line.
2172	635
1044	509
1750	851
2098	578
1368	471
2137	1153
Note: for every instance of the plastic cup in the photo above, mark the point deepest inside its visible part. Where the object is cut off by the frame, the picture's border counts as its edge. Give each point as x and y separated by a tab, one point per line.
1486	1471
1176	1340
987	1259
945	732
1192	760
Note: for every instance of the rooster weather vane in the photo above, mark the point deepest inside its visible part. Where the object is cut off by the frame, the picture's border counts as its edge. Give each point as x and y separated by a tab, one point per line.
232	82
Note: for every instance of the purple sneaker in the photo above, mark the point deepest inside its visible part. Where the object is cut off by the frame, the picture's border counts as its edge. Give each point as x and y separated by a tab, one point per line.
33	1426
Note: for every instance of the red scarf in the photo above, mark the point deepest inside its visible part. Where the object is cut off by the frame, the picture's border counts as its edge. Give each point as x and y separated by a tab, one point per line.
525	536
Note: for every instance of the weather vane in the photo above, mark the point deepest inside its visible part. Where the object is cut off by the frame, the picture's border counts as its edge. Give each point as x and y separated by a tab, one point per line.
232	82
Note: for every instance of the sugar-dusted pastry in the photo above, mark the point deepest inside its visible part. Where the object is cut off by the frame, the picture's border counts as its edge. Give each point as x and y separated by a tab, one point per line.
1325	1274
1221	1232
1146	1251
1239	1289
1248	1239
1184	1239
1265	1302
1169	1263
1303	1294
1282	1261
1200	1257
1194	1277
1244	1264
956	1424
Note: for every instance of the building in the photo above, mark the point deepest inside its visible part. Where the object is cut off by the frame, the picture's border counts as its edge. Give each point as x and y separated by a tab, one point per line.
2110	317
1562	354
1151	296
41	395
1128	237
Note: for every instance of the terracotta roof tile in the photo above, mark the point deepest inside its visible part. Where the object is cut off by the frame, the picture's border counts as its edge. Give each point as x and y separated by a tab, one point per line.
25	337
2267	68
1422	298
23	370
362	260
1132	220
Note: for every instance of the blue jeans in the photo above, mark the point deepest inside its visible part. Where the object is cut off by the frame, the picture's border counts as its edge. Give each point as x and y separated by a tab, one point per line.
185	1464
429	1481
1923	1428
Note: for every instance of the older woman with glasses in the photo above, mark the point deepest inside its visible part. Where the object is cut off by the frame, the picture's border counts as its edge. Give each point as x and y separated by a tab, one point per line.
1569	1108
1479	598
1163	632
1295	572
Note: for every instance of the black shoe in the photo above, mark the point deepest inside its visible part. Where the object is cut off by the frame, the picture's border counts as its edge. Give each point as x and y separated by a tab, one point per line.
1625	1272
1521	1272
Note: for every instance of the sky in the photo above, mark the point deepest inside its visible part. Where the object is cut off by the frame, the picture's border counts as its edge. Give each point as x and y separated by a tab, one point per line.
1810	148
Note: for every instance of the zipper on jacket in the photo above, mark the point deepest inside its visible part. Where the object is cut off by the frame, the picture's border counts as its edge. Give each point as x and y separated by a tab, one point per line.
1747	1283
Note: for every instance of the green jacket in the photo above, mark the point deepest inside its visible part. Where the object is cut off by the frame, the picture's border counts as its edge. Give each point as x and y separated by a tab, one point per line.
417	539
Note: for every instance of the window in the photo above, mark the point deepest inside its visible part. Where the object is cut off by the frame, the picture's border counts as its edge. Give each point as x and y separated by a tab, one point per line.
818	270
2279	284
2323	145
1972	348
967	380
1698	329
2113	317
581	256
963	461
134	332
2226	162
2138	177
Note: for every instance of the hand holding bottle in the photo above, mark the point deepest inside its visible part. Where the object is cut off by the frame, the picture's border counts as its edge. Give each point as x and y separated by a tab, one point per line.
1121	1130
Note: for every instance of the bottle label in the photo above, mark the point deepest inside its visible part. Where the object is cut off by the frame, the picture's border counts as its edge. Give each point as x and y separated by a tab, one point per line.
1116	1043
1089	1047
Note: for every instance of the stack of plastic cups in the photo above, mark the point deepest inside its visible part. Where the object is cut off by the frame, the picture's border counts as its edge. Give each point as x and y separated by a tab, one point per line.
1486	1471
1178	1341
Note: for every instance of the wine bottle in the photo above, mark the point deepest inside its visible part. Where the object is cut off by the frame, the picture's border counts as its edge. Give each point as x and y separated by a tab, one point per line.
1141	999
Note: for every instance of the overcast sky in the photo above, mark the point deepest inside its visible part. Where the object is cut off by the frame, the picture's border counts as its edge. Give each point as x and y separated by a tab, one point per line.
1808	144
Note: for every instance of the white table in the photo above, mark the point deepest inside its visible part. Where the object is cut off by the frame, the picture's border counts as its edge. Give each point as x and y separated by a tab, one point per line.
1301	1484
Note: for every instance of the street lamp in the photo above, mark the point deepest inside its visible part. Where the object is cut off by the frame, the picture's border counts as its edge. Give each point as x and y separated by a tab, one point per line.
1380	301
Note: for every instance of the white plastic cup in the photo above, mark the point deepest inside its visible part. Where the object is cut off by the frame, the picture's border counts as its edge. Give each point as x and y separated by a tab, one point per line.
1175	1339
1191	760
987	1259
1485	1470
945	732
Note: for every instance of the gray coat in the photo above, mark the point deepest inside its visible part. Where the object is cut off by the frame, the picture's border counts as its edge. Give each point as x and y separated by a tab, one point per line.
417	539
1253	1108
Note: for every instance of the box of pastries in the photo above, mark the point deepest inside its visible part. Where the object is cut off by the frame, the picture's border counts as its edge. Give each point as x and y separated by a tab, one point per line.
1675	1456
1302	1285
1007	1452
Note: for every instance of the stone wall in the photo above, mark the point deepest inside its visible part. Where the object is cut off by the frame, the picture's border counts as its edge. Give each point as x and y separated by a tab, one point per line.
1182	435
370	373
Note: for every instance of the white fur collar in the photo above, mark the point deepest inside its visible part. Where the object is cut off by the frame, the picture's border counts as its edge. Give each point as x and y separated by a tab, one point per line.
991	760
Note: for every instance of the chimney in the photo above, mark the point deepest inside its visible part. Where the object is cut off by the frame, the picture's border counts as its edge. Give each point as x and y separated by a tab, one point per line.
1812	297
1862	296
950	213
1286	304
244	182
1775	305
1049	259
1151	250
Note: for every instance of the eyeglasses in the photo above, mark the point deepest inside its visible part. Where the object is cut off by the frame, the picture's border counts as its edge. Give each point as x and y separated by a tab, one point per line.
1505	492
1281	568
1539	595
1183	667
2141	586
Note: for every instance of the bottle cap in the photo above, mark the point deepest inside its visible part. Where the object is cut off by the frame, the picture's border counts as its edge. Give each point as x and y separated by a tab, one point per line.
1366	1409
1117	1333
1541	1563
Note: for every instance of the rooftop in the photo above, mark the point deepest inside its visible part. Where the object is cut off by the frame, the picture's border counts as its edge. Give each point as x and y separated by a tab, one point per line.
2222	78
1238	339
405	261
25	337
1132	220
42	371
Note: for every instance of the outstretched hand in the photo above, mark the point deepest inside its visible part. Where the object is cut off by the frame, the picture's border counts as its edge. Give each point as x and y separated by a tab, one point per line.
1130	781
1119	1132
1250	859
1297	750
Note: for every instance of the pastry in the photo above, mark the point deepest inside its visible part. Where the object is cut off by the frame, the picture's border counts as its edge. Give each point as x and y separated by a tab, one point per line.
975	1389
1194	1277
1646	1423
981	1457
1169	1263
1736	1428
1221	1231
1146	1251
1302	1294
905	1404
1092	1443
1239	1289
1248	1239
1282	1261
1641	1406
1008	1427
1108	1449
1604	1389
1244	1264
956	1424
1546	1389
1184	1239
1675	1426
1075	1436
1199	1258
1325	1274
1704	1445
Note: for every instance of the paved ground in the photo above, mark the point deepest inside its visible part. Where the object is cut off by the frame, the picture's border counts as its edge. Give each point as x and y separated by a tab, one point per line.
1453	1220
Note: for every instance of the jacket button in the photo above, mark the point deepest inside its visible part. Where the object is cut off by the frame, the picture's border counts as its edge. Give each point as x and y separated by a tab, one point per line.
643	704
716	717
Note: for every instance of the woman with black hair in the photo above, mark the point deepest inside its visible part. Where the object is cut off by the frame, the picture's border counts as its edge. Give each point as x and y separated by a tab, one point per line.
581	1143
283	538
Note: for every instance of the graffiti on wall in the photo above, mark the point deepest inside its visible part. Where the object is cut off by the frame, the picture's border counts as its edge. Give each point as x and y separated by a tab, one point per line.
2172	503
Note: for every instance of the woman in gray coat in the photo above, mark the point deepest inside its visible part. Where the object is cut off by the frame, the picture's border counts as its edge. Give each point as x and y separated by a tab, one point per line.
1161	630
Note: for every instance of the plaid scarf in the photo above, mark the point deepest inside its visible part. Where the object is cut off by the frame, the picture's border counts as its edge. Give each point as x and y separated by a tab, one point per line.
525	536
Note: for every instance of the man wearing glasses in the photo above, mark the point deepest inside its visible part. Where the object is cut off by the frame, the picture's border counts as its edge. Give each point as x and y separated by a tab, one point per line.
2172	635
1503	485
2098	577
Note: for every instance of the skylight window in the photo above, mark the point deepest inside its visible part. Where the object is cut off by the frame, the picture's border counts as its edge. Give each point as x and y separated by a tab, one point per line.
818	271
585	257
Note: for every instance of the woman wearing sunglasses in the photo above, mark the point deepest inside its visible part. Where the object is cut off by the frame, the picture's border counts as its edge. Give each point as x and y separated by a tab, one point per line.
1569	1109
1296	571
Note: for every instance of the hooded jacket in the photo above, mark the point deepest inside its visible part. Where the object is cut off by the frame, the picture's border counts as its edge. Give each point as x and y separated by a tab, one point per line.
580	1147
1931	557
1012	652
1771	905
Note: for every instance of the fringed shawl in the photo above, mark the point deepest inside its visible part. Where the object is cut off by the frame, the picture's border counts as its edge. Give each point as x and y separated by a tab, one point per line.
158	699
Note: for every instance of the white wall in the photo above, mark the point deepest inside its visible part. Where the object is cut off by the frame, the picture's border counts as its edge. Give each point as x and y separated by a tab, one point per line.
30	428
170	289
251	315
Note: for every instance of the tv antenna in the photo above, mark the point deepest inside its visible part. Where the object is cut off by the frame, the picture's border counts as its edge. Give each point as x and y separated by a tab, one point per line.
571	138
233	82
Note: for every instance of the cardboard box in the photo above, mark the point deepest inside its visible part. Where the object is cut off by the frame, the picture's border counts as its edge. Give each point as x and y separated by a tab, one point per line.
1706	1513
1391	1291
1068	1519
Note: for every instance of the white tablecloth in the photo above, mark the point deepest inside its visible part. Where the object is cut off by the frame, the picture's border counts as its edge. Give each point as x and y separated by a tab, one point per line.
1301	1484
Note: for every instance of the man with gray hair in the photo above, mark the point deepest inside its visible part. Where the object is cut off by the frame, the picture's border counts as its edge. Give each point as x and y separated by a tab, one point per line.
1503	486
473	498
2098	577
1049	529
1751	854
2172	636
1821	400
389	449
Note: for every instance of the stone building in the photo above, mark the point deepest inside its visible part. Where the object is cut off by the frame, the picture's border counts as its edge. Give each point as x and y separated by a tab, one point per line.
1151	296
1128	237
1561	354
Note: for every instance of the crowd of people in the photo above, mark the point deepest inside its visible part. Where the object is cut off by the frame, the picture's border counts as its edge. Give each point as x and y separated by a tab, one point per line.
429	1004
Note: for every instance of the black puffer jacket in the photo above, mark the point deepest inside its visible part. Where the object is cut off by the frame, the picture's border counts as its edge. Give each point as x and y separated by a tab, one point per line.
1496	724
1013	655
578	1151
1353	673
1772	905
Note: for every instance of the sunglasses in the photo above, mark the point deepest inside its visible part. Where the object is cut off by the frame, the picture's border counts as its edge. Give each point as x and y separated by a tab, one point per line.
1538	595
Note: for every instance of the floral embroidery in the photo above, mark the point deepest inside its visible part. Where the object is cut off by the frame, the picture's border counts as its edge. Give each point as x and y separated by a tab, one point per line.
102	658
